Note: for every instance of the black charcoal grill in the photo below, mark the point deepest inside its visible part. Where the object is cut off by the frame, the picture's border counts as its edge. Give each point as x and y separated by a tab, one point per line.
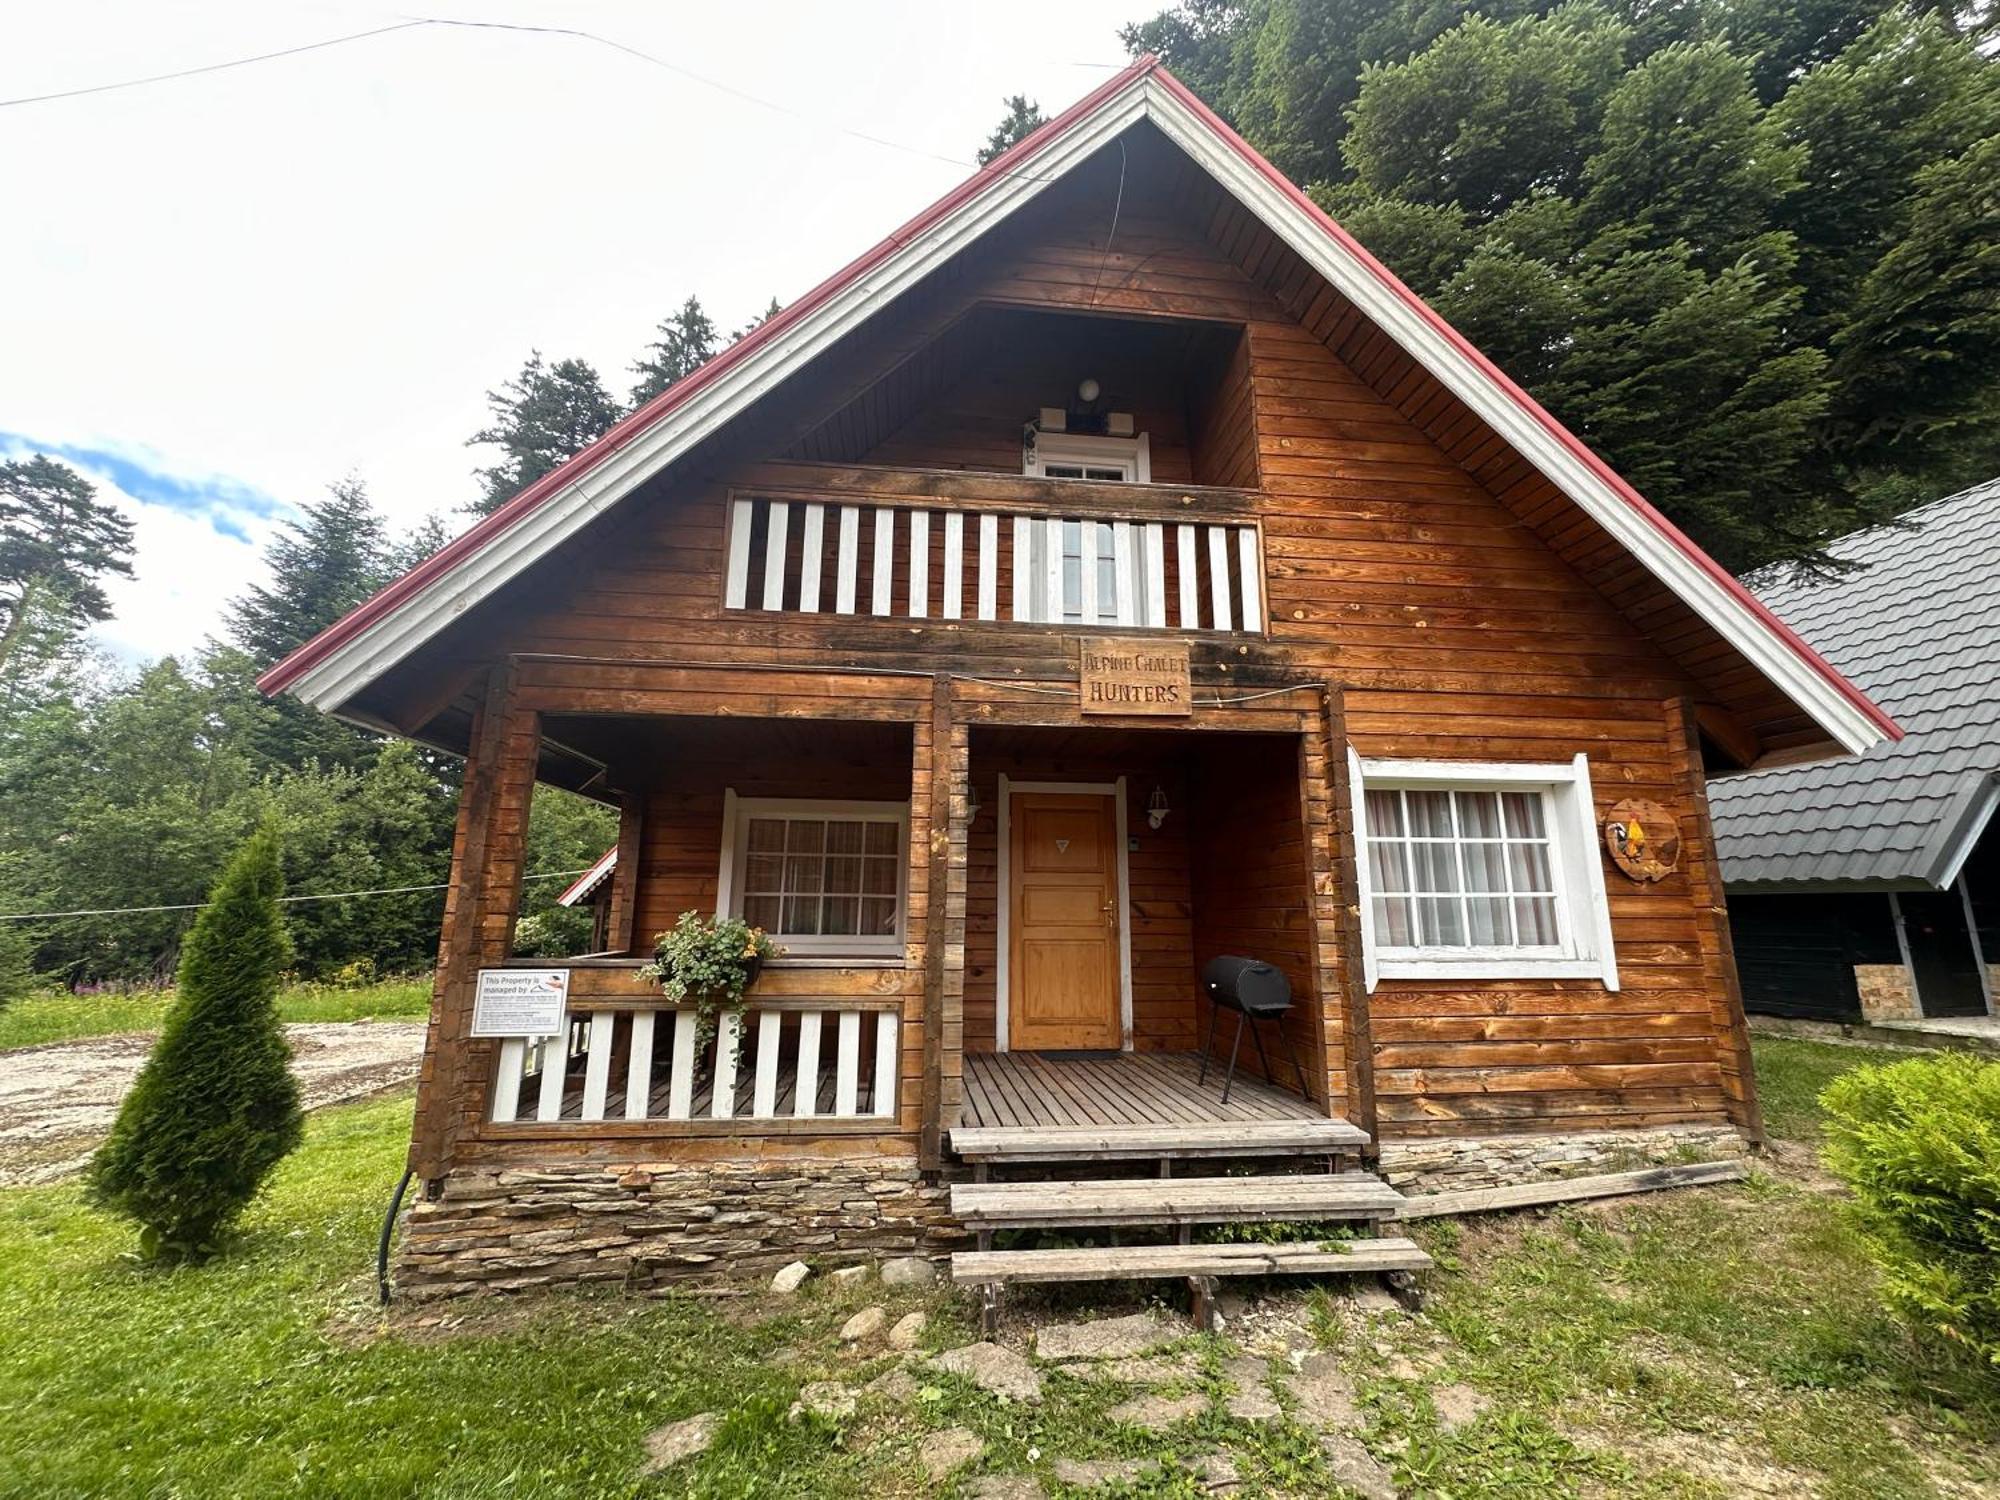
1256	991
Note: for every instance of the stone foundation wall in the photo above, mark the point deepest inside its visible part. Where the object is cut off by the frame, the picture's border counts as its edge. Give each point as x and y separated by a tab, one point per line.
1886	992
514	1228
1459	1163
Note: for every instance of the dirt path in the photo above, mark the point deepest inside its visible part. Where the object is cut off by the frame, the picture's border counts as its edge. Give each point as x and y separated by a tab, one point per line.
57	1102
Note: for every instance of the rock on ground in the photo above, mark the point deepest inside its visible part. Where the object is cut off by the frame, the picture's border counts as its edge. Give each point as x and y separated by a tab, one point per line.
1459	1406
1251	1400
1325	1395
909	1270
825	1398
1158	1413
668	1445
1005	1487
909	1330
942	1452
992	1368
1358	1469
1088	1473
849	1275
1107	1338
863	1325
1145	1370
1218	1474
897	1386
791	1278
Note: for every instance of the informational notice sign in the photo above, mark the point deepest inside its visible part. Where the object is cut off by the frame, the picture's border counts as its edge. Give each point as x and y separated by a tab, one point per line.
1128	676
520	1002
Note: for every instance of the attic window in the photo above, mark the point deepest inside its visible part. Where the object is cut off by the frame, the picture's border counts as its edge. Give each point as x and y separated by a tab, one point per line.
1075	455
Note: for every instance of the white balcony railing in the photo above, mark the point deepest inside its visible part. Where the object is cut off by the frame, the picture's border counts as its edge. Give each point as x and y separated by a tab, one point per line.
813	557
797	1061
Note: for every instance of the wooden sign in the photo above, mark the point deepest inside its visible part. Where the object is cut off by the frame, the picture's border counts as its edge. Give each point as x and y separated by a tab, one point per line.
1124	676
520	1002
1643	839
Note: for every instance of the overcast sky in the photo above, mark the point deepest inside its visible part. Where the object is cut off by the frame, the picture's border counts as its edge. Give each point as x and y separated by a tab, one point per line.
220	293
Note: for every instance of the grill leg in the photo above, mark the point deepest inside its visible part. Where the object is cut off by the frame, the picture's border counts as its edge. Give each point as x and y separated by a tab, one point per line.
1292	1052
1257	1036
1234	1047
1208	1046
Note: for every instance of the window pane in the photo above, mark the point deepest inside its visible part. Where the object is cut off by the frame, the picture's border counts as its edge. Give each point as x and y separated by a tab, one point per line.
881	838
1436	866
1393	924
1524	814
1479	815
803	872
1488	922
761	911
1536	916
878	877
763	872
805	836
878	916
1486	867
1430	814
767	834
1385	813
1441	923
801	916
843	837
1530	866
843	874
843	915
1388	866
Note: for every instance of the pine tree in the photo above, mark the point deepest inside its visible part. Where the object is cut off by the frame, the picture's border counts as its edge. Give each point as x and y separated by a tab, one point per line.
58	543
1023	118
686	342
541	417
757	322
215	1107
333	556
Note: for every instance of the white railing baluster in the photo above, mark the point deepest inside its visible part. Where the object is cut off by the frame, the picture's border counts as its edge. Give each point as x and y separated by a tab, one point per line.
850	559
1024	568
920	563
728	1036
680	1072
885	1064
597	1065
1251	584
884	573
847	1067
742	516
1190	583
507	1081
639	1075
811	547
1156	575
954	564
1218	576
1054	605
764	1103
555	1070
805	1086
775	537
1121	569
1087	535
989	567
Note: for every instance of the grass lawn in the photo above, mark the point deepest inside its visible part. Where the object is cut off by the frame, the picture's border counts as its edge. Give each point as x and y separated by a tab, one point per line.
63	1017
1705	1343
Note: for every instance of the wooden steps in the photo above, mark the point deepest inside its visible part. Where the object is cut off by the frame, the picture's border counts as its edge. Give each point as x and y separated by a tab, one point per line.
986	1206
1142	1262
1163	1142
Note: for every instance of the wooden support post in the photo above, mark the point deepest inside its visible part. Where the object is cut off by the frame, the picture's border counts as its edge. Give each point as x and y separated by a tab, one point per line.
1342	883
939	776
1202	1291
621	934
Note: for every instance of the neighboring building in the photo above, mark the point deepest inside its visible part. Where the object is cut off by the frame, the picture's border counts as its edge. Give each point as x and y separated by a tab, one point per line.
1870	888
1113	569
592	889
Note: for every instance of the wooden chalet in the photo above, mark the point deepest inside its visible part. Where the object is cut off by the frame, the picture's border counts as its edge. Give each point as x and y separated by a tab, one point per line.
1115	568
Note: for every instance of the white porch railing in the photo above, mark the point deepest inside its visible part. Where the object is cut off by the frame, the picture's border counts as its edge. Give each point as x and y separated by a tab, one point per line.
813	557
789	1062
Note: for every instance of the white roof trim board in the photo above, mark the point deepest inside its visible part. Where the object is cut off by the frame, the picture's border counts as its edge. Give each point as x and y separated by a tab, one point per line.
350	666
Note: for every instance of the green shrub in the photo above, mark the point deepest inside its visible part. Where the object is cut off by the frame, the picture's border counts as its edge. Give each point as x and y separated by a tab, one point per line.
215	1107
1919	1143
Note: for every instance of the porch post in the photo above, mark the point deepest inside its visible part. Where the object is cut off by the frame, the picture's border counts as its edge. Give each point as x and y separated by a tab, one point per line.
480	908
940	777
1340	880
622	934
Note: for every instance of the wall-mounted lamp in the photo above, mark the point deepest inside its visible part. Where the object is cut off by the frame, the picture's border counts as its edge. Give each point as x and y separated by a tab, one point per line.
1156	808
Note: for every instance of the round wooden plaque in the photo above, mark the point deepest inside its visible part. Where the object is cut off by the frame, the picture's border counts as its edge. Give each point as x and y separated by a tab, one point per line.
1643	839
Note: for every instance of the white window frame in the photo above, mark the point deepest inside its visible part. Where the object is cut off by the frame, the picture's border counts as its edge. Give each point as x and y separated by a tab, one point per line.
1132	455
736	815
1583	910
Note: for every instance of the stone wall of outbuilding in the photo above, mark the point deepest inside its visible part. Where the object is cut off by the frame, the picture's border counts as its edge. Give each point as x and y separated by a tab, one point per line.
1450	1164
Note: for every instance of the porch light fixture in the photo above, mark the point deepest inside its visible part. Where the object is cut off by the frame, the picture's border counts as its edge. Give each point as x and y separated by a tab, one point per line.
1156	808
1088	390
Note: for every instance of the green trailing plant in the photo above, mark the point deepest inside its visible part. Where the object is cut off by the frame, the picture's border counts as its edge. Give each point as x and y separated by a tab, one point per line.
1919	1143
215	1107
710	961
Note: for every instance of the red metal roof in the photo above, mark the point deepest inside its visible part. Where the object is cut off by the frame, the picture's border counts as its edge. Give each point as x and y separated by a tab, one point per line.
284	673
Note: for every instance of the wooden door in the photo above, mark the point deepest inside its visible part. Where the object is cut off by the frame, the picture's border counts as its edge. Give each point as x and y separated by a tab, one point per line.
1062	941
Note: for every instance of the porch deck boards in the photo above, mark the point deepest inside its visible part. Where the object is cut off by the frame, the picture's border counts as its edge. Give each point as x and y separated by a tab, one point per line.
1026	1089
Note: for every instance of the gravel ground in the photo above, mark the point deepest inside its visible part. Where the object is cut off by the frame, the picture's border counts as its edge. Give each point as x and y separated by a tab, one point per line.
57	1102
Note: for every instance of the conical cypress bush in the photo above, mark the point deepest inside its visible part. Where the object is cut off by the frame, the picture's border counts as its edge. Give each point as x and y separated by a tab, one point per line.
215	1107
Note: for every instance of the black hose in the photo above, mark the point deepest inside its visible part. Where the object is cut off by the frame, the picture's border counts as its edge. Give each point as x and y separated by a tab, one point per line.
388	1232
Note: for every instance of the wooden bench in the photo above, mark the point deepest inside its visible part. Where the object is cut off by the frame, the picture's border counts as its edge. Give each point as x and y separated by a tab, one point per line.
987	1206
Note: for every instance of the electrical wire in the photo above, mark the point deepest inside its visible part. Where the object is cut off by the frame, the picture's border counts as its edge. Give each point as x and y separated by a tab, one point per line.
387	890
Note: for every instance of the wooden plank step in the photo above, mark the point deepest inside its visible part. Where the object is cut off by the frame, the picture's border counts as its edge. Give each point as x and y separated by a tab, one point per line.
1138	1262
1173	1200
1146	1142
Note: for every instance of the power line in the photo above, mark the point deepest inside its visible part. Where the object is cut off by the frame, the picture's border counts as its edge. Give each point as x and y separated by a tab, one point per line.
387	890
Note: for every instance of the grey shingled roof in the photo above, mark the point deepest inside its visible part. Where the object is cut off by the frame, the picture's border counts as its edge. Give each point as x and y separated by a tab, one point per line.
1918	630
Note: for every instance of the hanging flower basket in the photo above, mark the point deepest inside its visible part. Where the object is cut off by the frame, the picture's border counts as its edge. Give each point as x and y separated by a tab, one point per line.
711	961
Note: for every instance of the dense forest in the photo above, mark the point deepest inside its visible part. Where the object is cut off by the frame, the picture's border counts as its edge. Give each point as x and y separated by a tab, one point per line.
1750	249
